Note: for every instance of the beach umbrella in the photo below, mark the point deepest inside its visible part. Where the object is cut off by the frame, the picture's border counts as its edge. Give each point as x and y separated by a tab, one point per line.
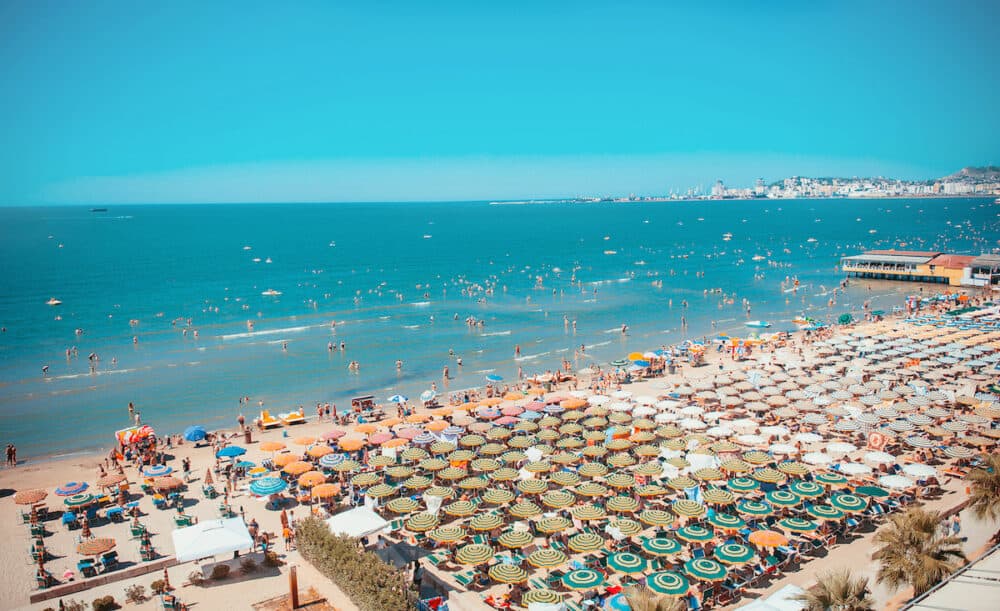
447	534
849	502
460	509
311	478
824	512
29	497
830	479
297	468
754	508
195	433
486	521
681	483
769	475
897	482
167	483
284	459
515	539
95	547
492	377
379	491
668	583
655	517
397	399
231	452
421	522
553	525
806	489
705	569
325	491
267	486
919	470
768	538
734	553
402	505
71	488
694	533
782	498
626	527
742	484
498	496
541	597
558	499
798	525
507	573
791	467
525	509
726	521
626	562
591	489
687	508
622	504
473	554
546	558
582	579
661	546
79	500
588	512
718	496
585	542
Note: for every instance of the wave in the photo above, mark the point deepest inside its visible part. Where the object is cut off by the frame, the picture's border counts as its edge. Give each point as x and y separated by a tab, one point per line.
411	327
531	357
420	304
495	333
266	332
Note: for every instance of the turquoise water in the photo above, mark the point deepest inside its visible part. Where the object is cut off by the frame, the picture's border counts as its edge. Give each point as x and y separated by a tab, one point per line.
370	268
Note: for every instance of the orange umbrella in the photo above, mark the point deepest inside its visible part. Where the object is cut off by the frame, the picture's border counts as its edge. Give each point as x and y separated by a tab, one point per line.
284	459
297	468
366	428
304	441
350	445
312	478
573	403
391	421
319	451
395	443
93	547
443	411
768	538
513	396
437	425
415	418
491	402
466	407
272	446
325	491
167	483
29	497
536	391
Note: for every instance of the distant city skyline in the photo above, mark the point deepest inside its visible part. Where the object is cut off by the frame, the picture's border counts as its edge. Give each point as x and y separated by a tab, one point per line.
231	102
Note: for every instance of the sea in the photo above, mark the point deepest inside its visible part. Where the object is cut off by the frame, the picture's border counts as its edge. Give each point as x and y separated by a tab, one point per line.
164	306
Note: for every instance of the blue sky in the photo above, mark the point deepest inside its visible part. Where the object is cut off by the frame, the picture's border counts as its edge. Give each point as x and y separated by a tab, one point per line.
263	101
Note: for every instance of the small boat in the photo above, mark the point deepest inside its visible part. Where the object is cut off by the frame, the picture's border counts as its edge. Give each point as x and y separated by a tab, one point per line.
268	260
53	302
271	293
727	236
758	324
758	257
98	209
611	252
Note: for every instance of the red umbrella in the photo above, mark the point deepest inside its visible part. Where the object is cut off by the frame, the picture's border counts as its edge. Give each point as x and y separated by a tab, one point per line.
334	434
408	433
379	438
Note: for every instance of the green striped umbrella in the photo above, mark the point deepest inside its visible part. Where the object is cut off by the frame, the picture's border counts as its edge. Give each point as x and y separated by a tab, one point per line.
484	464
363	480
548	435
742	484
651	468
806	489
718	496
709	474
471	441
585	542
521	442
498	496
452	473
693	533
441	491
402	505
792	467
492	449
681	483
754	508
525	509
460	509
756	457
540	466
421	522
442	447
565	478
473	483
380	491
726	521
486	521
417	482
461	456
532	486
505	474
768	475
705	569
515	539
582	579
474	553
626	562
595	451
381	461
592	469
849	502
734	553
622	504
433	464
498	433
874	492
688	508
655	517
553	525
627	527
558	499
564	458
824	512
79	500
546	558
347	466
588	512
782	498
399	472
513	456
541	596
830	479
447	534
591	489
661	546
507	573
798	525
620	480
668	583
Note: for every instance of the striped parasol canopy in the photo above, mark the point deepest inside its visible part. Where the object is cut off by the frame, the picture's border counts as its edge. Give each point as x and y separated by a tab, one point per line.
621	460
806	489
668	583
485	465
447	534
472	441
473	483
492	449
734	465
594	451
726	521
661	546
402	505
620	480
521	441
498	496
381	461
849	502
626	527
688	508
486	521
452	473
792	467
380	491
782	498
507	573
538	466
363	480
682	482
564	478
591	489
474	553
717	496
618	445
592	469
655	517
267	486
768	475
558	499
441	447
734	553
331	460
756	457
626	562
830	479
400	471
694	533
824	512
582	579
588	512
515	539
532	486
798	525
553	525
433	464
525	509
344	466
622	504
546	558
651	490
460	509
651	468
754	508
421	522
505	474
871	491
742	484
709	474
541	596
417	482
705	569
585	542
564	458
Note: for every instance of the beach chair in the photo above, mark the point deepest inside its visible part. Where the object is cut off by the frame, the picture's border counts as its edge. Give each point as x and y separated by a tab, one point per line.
159	502
37	530
109	561
571	605
537	583
292	418
137	531
209	492
268	421
44	580
168	602
147	553
182	521
87	568
466	578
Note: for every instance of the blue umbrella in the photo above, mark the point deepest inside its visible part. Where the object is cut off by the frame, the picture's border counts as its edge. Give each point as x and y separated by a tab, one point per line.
231	452
267	486
157	470
530	415
331	460
618	602
246	464
194	433
641	363
420	439
398	399
71	488
494	378
453	430
427	395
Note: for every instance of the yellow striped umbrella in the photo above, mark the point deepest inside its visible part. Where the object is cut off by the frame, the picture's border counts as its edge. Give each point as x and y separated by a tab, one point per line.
433	464
492	449
678	462
650	490
564	478
346	466
564	458
553	525
595	451
724	446
365	479
474	553
505	474
709	474
417	482
402	505
591	489
618	445
381	461
717	496
532	486
736	466
558	499
525	509
513	456
627	527
546	558
540	466
400	472
441	447
461	456
473	483
521	441
526	427
668	431
452	473
675	444
414	454
541	596
688	508
507	573
655	517
421	522
651	468
621	460
768	475
498	433
588	512
441	491
622	504
515	539
380	491
548	435
485	465
791	467
681	483
596	422
447	534
498	496
460	509
486	521
620	480
585	542
756	457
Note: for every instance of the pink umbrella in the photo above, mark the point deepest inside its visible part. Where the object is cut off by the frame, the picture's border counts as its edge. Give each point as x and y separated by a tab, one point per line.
480	427
379	438
535	406
489	414
507	420
408	433
556	398
512	410
334	434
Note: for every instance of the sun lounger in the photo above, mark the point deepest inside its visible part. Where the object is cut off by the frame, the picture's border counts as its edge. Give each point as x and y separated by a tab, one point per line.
267	420
466	578
292	418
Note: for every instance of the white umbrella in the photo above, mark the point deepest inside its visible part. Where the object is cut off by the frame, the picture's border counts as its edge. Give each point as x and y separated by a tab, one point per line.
719	431
750	440
666	417
692	424
816	458
643	410
919	471
840	447
783	448
692	410
645	400
599	400
622	394
879	458
895	481
620	406
774	431
853	468
665	404
807	437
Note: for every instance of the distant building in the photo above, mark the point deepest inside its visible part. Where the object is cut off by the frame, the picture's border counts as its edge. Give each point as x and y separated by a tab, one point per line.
924	266
718	189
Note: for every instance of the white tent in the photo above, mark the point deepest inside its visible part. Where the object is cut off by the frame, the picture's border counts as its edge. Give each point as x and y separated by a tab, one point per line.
211	537
782	600
357	522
